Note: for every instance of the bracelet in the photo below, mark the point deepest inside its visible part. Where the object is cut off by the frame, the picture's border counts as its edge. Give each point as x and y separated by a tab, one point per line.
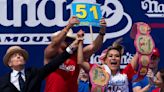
101	33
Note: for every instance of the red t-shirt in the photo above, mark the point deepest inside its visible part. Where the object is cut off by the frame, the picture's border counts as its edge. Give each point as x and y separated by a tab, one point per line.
64	79
129	71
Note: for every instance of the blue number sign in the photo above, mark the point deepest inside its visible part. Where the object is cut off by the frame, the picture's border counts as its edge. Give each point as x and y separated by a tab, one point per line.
88	14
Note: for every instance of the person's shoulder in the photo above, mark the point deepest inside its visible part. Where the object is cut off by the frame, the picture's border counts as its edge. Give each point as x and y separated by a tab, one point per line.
143	80
4	80
4	77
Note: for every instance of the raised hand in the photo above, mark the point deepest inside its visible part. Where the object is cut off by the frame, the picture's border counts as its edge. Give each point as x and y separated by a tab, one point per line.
80	35
151	76
73	20
150	73
103	26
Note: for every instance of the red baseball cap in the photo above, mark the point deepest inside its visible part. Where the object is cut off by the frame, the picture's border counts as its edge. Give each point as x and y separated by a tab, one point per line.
156	52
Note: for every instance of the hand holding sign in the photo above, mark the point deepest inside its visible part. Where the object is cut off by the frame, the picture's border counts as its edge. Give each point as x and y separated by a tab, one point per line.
73	20
103	26
88	14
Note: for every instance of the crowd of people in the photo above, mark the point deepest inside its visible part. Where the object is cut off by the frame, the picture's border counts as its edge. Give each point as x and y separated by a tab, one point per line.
66	66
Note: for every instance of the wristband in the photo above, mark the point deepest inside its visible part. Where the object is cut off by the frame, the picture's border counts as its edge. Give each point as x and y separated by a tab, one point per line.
68	49
101	33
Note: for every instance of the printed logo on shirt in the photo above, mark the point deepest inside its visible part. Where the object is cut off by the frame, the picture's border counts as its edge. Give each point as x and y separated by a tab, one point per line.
67	67
118	83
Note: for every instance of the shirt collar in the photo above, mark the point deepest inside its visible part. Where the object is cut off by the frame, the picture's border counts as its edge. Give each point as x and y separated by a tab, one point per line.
15	72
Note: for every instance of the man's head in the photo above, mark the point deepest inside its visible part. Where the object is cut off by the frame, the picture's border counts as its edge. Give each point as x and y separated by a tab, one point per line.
68	40
15	57
155	58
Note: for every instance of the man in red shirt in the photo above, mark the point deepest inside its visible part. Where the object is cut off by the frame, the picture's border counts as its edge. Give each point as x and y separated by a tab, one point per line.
64	79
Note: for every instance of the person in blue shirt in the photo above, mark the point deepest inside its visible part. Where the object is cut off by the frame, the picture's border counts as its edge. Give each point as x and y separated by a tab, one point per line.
147	84
143	85
83	82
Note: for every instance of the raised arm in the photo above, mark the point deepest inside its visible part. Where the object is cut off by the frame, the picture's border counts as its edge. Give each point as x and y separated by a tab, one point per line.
62	35
52	49
58	60
80	58
130	69
139	89
134	61
93	47
53	64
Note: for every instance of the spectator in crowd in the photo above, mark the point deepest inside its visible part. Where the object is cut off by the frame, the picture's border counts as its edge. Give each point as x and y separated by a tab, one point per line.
65	78
22	79
83	81
148	83
160	81
111	58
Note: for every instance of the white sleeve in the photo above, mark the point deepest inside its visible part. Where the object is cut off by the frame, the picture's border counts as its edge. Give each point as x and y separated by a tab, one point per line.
69	50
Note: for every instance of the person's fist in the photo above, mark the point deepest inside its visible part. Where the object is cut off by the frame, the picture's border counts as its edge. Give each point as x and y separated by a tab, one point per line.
150	74
73	20
102	22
